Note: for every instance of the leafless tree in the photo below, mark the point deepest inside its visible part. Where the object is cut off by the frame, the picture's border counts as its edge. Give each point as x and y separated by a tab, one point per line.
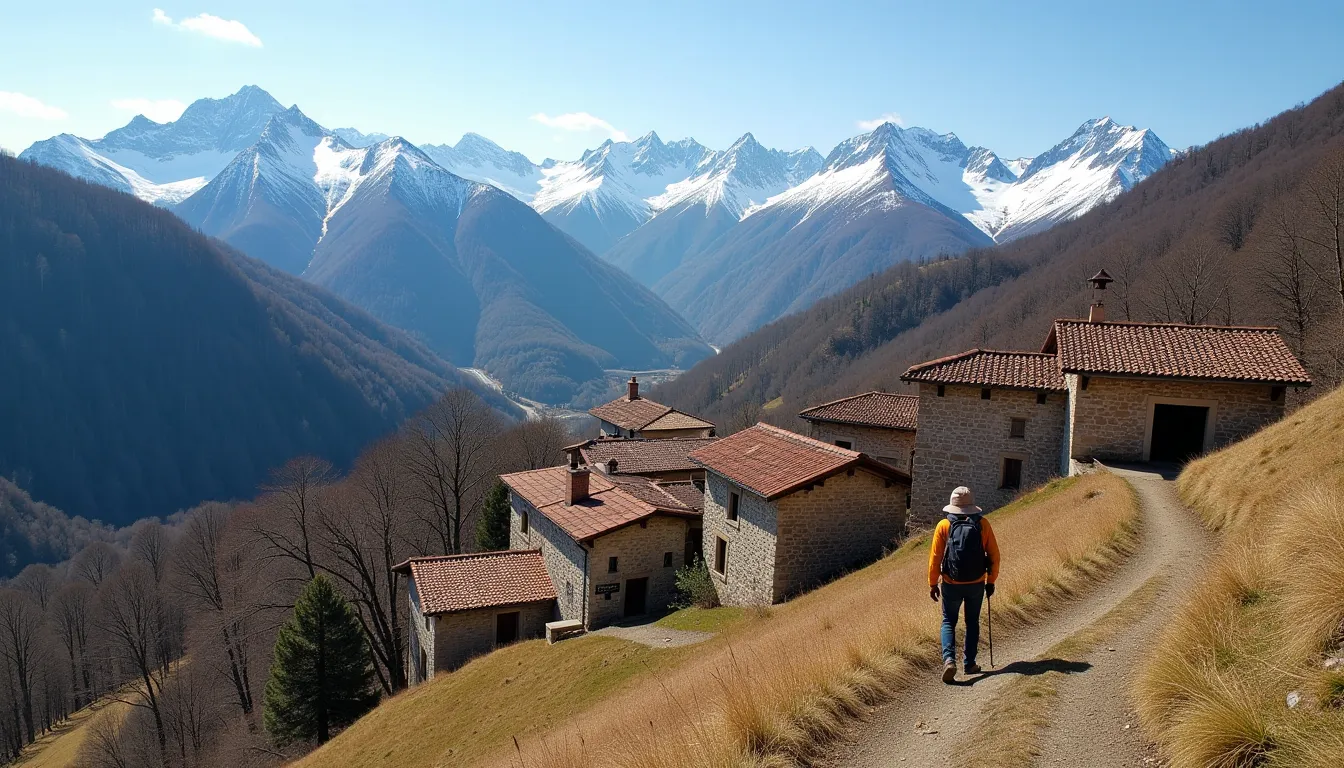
149	545
20	623
536	443
39	582
95	562
129	604
1323	208
1235	221
293	501
1287	278
70	610
1190	287
745	415
449	453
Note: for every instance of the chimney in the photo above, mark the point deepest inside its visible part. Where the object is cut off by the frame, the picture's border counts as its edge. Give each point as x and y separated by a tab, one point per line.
611	466
633	389
1099	281
577	488
1097	313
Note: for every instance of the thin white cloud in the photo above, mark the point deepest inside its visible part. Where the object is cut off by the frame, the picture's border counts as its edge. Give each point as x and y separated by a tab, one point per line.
228	30
889	117
580	121
27	106
158	110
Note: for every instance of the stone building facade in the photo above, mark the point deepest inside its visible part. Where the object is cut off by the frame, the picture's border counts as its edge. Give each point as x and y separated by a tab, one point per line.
635	416
612	548
880	424
783	513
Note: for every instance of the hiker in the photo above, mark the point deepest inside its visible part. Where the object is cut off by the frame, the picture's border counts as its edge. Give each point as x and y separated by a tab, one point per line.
965	556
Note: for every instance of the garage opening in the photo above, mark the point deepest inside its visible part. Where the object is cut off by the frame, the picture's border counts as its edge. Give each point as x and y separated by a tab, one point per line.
1178	432
506	628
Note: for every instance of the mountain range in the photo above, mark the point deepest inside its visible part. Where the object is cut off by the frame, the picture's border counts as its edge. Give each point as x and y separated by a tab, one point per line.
730	239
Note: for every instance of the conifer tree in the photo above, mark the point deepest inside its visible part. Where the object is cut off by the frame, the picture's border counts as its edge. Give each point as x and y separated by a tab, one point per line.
492	527
321	678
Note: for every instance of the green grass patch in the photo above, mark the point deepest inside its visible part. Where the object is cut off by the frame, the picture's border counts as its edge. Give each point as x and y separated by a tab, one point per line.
703	619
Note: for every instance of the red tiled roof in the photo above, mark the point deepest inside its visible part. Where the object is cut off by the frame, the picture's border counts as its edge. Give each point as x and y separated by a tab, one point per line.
688	493
775	462
612	502
873	409
991	368
642	413
1224	353
639	456
451	583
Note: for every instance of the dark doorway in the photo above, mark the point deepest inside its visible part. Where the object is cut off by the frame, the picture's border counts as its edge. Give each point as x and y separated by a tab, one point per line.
694	543
636	597
1178	432
506	628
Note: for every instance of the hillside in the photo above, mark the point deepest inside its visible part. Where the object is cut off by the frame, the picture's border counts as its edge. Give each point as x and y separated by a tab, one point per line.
1220	234
151	368
1251	673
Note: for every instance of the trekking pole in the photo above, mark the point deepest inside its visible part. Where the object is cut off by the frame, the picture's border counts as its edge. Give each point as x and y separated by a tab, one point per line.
989	601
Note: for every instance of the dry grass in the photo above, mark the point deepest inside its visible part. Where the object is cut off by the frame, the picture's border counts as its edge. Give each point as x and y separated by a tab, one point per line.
60	747
1010	733
771	690
1214	691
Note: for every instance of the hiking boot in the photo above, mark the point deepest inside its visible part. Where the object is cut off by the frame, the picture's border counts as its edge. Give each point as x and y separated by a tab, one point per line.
949	672
973	669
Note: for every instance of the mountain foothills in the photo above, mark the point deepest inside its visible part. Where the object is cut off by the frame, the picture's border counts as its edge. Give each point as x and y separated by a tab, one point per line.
150	368
1245	230
691	223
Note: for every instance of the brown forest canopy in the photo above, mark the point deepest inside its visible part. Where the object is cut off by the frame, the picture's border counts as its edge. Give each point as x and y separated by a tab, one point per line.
1246	230
148	368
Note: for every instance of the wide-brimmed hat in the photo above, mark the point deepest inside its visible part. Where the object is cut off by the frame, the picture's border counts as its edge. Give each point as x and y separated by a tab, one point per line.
962	502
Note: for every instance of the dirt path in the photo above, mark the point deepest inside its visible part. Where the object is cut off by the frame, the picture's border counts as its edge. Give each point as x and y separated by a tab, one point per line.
924	725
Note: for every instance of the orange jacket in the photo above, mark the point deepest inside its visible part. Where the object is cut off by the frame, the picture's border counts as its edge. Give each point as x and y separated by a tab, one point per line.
939	546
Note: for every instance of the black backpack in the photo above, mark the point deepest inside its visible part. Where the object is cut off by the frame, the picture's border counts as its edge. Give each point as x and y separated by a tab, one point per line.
965	558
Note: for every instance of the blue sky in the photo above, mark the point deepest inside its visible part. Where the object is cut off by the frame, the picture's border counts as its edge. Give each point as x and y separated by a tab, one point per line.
552	79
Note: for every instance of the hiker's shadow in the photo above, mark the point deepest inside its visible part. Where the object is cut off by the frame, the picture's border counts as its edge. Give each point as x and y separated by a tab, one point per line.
1030	669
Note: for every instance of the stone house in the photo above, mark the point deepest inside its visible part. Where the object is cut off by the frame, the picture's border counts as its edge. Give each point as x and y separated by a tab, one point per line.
1109	391
612	544
880	424
466	605
784	512
663	459
637	416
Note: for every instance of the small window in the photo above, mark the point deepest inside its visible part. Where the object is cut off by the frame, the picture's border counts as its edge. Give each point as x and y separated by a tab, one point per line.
1040	398
1276	394
733	500
845	444
611	565
426	622
1012	474
1017	428
523	523
667	559
569	593
1082	382
941	390
720	555
984	393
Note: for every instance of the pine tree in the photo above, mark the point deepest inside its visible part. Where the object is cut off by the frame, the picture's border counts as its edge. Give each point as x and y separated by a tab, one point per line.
321	677
492	527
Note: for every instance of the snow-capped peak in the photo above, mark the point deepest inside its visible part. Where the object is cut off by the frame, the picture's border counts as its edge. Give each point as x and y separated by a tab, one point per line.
743	175
355	138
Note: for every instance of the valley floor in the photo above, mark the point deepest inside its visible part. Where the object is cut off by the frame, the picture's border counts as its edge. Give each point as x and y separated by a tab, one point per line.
1090	719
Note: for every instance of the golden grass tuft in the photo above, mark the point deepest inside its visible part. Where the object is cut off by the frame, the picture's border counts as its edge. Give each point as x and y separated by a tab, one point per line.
1214	690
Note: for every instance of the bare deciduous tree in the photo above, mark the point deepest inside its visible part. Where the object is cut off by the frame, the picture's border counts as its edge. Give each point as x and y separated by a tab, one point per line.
39	582
95	562
293	500
1190	285
129	604
1287	278
20	622
1323	209
70	615
536	443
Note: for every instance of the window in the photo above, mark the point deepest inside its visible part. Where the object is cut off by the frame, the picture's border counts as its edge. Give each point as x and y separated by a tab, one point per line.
1017	428
426	622
1040	398
844	444
569	593
667	559
611	565
1012	474
1082	382
733	500
522	523
720	555
984	393
1276	394
941	390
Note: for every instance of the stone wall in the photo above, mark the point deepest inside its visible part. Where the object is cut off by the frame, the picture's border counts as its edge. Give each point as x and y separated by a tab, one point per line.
465	635
963	439
564	557
749	578
847	522
421	636
892	446
663	434
1112	418
639	551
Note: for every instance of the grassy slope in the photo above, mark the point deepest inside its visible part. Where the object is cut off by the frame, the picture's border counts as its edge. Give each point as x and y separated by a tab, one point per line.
1269	613
792	674
60	747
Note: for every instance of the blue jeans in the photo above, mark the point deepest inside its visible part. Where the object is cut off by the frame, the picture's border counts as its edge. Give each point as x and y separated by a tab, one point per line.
954	596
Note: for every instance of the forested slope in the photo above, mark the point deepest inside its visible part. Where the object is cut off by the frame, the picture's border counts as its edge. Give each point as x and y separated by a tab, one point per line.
148	368
1247	229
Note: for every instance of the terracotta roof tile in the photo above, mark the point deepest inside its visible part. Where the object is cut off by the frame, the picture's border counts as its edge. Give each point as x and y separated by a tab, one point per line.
612	502
1182	351
775	462
639	456
688	493
991	368
675	419
630	414
873	409
451	583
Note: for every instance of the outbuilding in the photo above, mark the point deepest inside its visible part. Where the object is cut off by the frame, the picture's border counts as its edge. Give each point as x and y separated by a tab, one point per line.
636	416
880	424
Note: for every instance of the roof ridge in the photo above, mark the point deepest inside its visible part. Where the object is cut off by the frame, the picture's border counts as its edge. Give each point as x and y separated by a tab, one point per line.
469	555
855	397
1155	324
977	351
808	441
